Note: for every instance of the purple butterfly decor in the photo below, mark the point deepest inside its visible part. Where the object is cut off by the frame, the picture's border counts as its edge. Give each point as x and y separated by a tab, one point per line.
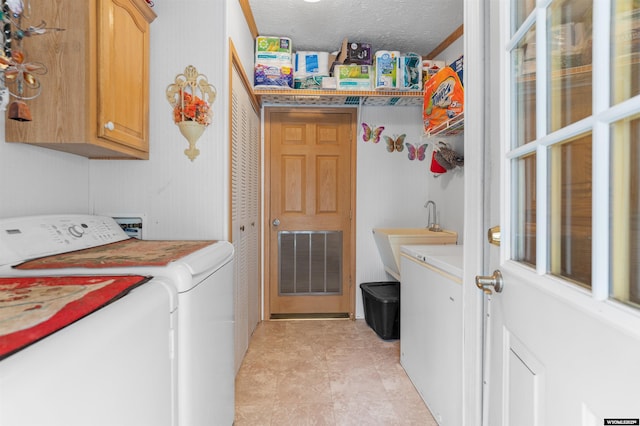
417	151
370	134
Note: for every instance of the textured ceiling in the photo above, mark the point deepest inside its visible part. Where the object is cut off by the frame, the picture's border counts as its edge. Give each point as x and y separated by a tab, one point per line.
417	26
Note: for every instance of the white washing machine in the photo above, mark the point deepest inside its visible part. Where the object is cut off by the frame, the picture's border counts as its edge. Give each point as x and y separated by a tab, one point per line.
111	367
201	272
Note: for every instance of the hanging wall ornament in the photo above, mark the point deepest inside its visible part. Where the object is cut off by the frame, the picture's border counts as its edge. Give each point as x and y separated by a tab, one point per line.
416	152
371	133
191	97
19	77
396	144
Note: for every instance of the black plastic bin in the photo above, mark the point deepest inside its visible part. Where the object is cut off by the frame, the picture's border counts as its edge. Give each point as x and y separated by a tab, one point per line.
381	302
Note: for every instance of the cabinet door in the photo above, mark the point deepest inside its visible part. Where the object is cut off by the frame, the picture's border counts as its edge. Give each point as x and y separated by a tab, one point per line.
245	211
123	74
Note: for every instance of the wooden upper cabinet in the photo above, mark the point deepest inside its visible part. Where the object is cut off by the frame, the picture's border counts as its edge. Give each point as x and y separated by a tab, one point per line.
95	95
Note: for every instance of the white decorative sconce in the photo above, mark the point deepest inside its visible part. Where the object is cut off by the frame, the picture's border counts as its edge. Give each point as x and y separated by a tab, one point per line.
191	97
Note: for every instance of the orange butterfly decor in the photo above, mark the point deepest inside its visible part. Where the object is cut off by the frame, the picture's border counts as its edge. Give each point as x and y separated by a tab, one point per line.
395	144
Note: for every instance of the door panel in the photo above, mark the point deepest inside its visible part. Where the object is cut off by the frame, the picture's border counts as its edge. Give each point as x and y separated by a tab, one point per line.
245	210
554	360
559	349
311	187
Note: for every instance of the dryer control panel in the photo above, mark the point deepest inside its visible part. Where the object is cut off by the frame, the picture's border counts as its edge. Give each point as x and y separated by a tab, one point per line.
30	237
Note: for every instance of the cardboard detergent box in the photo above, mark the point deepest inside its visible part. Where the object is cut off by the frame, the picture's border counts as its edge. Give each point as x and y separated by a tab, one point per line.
353	77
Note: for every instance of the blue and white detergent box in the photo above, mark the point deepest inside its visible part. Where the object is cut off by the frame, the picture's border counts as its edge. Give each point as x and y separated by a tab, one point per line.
386	70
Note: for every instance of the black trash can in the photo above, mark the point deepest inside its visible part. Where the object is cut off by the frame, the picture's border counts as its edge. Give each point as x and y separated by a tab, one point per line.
381	302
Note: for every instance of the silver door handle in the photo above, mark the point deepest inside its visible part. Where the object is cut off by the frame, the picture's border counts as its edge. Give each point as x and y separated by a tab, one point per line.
276	222
485	282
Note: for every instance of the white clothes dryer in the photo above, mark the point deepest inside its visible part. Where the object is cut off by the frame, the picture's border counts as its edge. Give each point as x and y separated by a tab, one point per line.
201	272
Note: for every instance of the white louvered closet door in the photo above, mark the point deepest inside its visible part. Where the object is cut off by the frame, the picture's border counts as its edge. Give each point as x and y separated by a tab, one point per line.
245	210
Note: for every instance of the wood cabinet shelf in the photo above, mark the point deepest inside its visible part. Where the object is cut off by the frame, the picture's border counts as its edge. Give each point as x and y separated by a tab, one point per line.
339	97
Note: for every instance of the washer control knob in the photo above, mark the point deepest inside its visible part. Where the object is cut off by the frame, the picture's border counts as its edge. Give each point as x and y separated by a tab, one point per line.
76	231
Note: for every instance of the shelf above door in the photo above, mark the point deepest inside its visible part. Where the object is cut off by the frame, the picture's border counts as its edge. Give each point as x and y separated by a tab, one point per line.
339	97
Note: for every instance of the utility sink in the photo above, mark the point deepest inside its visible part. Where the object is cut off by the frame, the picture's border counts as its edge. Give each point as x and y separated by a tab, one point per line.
389	241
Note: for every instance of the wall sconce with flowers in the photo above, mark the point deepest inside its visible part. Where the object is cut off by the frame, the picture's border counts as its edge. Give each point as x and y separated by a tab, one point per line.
191	97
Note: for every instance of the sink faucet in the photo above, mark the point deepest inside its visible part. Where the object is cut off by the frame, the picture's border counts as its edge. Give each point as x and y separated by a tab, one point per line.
432	226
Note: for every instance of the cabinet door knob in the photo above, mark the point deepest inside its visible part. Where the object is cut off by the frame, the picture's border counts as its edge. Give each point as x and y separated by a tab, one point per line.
109	125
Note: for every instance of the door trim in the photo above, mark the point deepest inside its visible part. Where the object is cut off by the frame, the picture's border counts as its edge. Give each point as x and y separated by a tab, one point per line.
477	33
266	226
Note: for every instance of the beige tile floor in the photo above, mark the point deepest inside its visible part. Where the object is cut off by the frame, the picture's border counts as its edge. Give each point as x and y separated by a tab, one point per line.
325	372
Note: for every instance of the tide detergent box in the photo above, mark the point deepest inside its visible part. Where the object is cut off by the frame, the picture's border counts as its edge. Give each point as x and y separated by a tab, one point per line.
443	98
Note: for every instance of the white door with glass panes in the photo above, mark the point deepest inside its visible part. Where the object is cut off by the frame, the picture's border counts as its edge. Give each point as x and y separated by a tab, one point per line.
563	335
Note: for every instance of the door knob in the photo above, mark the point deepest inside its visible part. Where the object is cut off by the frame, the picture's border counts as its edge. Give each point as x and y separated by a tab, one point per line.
485	282
276	222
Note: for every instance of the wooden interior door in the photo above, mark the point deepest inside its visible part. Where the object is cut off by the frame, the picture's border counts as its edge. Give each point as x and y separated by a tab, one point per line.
311	189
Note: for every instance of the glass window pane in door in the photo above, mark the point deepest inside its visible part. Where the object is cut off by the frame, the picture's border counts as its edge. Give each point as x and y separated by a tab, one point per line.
524	220
570	209
625	50
569	57
625	211
523	66
521	9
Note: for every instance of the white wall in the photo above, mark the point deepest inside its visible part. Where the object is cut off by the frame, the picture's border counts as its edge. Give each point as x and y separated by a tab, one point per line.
181	199
392	189
35	180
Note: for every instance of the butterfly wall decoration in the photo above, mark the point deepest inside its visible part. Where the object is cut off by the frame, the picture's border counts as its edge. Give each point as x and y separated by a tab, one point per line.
417	151
371	134
396	144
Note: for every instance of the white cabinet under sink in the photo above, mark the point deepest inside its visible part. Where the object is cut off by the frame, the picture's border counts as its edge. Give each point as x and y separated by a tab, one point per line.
431	327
